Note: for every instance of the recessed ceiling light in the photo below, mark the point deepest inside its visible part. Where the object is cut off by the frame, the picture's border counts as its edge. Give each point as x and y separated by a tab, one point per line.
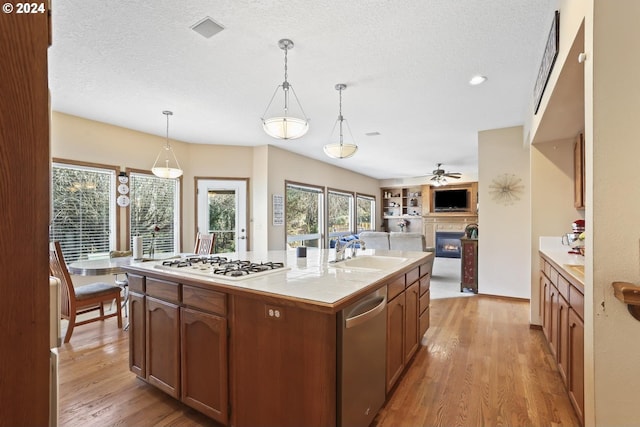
476	80
372	133
207	27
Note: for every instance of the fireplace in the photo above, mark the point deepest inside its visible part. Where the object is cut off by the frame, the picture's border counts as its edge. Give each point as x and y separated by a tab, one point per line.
448	244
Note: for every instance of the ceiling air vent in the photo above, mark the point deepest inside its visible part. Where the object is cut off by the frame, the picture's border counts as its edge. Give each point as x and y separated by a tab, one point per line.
207	27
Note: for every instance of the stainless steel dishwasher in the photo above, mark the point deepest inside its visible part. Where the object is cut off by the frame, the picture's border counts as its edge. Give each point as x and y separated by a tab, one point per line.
362	334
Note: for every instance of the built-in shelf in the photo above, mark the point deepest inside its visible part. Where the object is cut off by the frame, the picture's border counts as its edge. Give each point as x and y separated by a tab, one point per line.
629	294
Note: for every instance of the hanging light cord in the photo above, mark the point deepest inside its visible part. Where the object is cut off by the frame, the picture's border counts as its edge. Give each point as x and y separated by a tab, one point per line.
340	118
167	145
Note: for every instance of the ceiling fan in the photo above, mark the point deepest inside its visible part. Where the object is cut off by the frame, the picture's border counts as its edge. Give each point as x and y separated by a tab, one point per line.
439	176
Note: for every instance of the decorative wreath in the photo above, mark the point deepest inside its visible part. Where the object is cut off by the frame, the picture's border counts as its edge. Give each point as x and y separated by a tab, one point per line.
506	189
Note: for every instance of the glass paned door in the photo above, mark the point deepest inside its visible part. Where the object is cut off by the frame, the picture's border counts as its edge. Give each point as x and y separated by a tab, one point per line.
222	210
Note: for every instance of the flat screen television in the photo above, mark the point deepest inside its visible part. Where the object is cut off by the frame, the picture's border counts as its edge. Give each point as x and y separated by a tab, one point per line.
451	201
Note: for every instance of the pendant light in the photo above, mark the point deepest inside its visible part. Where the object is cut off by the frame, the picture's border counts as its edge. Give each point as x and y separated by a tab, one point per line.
283	125
168	166
340	150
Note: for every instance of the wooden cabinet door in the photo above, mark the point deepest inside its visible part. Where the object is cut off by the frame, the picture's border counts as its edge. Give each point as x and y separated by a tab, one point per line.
204	363
576	363
541	304
395	339
553	321
163	345
563	338
137	343
412	304
546	320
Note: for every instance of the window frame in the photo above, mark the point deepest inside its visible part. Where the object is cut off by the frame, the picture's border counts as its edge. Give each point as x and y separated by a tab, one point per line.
374	206
352	213
177	233
114	218
320	236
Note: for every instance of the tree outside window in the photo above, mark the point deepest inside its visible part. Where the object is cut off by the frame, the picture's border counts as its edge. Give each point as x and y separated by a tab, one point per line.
154	212
303	215
340	218
83	203
365	213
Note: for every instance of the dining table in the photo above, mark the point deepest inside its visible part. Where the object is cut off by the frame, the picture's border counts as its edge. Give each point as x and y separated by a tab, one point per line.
104	267
100	266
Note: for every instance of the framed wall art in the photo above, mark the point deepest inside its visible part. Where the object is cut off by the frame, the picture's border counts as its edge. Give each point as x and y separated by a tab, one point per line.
548	60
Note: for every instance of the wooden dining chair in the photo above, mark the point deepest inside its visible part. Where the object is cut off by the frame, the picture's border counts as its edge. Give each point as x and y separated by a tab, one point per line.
204	244
83	299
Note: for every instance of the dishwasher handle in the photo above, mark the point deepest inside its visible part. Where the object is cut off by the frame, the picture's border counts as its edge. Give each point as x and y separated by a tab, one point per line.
381	303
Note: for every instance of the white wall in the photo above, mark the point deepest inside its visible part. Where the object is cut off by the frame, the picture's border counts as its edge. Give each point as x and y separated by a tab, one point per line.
613	206
504	263
287	166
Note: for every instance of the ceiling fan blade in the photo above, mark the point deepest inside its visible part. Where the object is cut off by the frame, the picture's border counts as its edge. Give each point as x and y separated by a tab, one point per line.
451	176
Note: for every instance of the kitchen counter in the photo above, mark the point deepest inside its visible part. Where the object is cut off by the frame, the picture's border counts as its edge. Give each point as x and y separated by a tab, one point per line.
557	253
267	350
313	279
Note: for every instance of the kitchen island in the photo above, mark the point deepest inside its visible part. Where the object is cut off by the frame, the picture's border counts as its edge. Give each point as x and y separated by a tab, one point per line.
266	350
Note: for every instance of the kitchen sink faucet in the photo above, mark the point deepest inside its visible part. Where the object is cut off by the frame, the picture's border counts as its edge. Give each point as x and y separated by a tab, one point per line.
342	247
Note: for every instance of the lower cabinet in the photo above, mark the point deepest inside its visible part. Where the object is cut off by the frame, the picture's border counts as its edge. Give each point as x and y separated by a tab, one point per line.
163	345
407	318
561	312
137	326
575	382
204	363
395	339
178	342
412	340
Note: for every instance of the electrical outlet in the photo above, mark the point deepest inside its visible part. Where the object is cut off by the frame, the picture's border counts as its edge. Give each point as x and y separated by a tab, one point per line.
273	312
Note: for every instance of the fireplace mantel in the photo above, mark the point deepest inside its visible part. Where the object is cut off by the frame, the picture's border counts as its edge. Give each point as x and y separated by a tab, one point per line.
452	222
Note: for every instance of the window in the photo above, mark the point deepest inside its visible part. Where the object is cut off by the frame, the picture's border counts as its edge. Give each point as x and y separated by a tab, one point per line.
83	210
340	217
154	212
303	215
365	212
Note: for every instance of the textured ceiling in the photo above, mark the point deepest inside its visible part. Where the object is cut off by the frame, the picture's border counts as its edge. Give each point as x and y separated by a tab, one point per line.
406	63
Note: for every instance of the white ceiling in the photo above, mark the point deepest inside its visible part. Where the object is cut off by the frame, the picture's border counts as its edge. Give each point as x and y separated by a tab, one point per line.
406	63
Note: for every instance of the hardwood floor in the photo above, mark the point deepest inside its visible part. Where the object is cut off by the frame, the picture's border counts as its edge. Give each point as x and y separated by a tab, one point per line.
481	365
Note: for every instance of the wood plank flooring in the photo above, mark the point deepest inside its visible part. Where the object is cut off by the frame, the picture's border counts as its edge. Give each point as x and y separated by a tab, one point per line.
481	365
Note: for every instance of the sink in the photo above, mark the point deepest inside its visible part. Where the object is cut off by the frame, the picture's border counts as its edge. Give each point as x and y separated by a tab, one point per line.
371	262
577	269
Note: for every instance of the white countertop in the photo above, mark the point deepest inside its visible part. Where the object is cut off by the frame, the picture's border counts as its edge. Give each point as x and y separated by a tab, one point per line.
312	278
553	248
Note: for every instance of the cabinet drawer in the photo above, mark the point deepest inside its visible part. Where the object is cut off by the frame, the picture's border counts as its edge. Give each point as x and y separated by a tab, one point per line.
576	301
204	299
553	275
136	283
412	276
546	267
424	301
563	287
425	284
395	287
164	290
426	268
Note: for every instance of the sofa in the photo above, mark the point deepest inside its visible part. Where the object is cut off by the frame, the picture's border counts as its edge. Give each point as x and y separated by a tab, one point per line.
395	241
